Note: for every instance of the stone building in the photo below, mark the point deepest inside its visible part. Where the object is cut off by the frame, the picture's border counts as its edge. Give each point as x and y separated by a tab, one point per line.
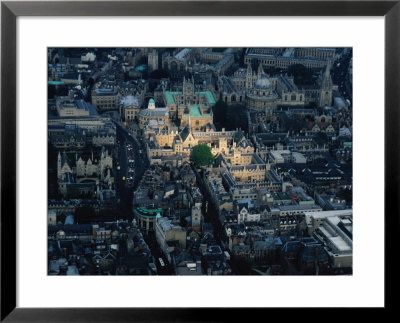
179	61
173	142
159	116
316	58
75	133
197	118
105	98
261	92
167	233
180	101
129	107
146	217
85	175
152	60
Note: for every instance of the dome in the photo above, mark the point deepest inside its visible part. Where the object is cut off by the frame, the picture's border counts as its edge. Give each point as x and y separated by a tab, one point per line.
263	82
152	104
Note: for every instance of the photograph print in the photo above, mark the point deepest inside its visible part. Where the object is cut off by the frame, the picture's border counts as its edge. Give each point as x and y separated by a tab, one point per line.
200	161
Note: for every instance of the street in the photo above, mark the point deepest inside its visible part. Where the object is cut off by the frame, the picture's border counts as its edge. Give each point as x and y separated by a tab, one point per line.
126	192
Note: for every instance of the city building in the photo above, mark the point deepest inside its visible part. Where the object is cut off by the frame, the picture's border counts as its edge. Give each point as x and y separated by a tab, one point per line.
105	98
146	217
153	116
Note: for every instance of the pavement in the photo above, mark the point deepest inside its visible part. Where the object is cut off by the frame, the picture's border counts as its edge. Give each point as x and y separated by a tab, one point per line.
125	192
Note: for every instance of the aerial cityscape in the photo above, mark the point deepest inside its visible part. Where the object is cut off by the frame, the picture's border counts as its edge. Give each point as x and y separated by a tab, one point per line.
200	161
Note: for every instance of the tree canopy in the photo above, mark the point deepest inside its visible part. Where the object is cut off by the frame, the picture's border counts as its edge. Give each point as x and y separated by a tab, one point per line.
230	117
202	156
84	214
159	74
302	75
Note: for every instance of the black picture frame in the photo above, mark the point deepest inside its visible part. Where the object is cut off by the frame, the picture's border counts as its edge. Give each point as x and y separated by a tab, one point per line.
10	10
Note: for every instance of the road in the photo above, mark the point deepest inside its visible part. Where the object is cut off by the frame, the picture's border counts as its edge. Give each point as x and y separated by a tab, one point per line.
125	192
157	253
340	73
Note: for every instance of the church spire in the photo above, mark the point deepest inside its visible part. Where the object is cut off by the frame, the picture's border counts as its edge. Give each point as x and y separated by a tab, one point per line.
326	82
260	70
249	71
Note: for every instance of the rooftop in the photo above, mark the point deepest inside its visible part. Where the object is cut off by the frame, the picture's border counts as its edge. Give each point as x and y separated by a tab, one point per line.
147	212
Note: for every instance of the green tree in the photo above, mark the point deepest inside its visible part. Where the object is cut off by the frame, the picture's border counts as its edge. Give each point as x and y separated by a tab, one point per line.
159	74
236	117
219	111
84	214
201	155
302	75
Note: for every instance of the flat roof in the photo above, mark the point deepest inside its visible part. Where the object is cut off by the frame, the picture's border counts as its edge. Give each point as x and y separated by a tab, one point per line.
340	244
326	214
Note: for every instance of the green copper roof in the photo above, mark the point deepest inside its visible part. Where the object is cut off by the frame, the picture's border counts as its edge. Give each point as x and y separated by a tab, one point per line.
140	68
195	111
209	96
170	96
347	144
151	101
55	83
148	213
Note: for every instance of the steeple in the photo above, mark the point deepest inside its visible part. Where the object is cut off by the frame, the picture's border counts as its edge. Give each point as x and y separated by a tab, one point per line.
249	70
260	70
327	80
326	87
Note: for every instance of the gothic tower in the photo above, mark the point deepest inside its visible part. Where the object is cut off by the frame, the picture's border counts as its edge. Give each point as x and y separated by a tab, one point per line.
196	216
152	60
249	78
188	91
326	87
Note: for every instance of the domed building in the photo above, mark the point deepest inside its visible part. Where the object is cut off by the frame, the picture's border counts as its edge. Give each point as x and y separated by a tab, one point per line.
160	115
262	95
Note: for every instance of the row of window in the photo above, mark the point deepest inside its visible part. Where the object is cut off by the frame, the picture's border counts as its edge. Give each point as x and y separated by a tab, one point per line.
293	97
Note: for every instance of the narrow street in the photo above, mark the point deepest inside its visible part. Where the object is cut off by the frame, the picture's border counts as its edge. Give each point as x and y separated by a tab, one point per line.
211	214
125	192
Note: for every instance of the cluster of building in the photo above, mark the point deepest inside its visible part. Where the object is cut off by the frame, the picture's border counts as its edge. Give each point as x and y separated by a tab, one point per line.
168	203
278	195
111	248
